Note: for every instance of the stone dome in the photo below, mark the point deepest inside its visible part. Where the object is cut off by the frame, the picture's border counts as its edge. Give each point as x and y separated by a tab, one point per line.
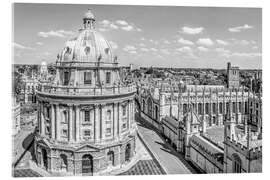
88	46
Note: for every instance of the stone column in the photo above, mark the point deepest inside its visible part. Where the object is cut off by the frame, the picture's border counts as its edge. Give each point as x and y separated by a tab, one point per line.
96	122
115	121
77	130
128	114
101	118
70	123
52	122
118	119
58	123
42	124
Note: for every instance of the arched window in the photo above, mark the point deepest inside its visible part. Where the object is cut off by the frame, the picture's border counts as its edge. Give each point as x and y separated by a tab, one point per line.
156	112
128	152
149	105
87	164
234	107
214	108
109	115
236	164
207	108
184	108
143	106
220	108
200	108
65	116
240	107
63	162
110	156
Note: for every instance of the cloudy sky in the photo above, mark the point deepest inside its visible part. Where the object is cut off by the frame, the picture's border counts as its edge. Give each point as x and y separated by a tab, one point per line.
145	35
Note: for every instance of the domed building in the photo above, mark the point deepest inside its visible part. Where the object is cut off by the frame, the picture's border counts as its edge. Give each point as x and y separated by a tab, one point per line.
86	115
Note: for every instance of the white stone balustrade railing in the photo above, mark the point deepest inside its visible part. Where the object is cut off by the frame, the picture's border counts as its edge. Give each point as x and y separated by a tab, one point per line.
84	90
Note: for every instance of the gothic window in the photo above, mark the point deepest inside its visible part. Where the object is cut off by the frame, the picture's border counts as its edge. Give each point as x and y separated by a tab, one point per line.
86	116
66	78
143	105
149	105
87	50
87	78
108	77
156	112
237	164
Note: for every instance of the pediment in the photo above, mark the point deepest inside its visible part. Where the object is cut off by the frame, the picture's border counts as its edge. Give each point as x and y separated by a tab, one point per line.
87	148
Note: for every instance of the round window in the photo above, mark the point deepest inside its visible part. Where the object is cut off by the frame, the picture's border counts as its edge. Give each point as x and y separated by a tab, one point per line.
87	50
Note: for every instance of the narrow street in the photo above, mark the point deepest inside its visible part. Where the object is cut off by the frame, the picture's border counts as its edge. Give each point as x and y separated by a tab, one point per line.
170	160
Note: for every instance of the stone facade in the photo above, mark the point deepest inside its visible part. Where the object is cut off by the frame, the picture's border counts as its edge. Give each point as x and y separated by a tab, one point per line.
86	114
233	78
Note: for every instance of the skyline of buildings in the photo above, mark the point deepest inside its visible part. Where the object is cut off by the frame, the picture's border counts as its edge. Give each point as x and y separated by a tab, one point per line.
189	37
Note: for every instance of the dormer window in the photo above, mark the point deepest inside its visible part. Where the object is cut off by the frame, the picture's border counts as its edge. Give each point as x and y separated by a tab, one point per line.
87	50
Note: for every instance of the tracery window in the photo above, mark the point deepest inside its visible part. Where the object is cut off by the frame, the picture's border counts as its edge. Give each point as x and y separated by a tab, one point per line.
237	164
149	105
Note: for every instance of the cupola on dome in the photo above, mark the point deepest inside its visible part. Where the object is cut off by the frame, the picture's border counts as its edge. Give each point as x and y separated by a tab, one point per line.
88	46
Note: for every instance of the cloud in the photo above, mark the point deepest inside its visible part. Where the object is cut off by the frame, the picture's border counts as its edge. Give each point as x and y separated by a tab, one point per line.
192	31
57	33
113	44
133	52
105	22
122	22
20	46
127	28
222	50
139	29
144	49
184	49
102	29
153	49
166	42
221	42
165	51
240	28
205	41
129	48
185	42
202	49
113	26
246	55
39	43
